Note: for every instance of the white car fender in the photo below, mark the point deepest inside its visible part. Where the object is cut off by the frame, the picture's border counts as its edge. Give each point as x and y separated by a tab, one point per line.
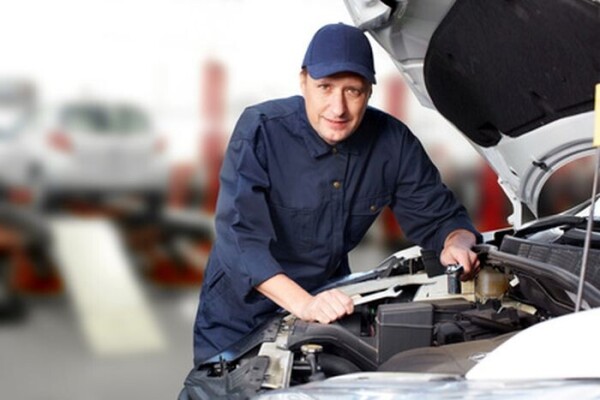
563	347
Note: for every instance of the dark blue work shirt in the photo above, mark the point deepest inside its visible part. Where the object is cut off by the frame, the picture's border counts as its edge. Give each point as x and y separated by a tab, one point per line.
291	203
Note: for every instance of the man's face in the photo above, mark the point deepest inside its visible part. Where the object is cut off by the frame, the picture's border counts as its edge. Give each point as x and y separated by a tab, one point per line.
335	105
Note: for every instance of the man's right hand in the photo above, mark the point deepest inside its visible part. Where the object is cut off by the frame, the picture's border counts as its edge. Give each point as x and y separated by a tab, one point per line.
325	307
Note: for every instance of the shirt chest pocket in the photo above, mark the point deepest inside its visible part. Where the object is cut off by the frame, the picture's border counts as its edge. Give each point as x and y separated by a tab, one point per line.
295	227
363	213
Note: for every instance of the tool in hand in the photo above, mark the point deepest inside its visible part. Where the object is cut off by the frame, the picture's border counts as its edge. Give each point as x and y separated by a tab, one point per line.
454	271
393	291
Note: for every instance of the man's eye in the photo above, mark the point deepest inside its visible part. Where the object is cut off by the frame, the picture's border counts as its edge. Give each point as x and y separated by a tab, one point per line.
354	92
324	86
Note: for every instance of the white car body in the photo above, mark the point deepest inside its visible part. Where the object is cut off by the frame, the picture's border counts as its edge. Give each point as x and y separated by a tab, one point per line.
103	149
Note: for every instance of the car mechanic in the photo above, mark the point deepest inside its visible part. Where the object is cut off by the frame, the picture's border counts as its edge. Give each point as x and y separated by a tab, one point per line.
302	181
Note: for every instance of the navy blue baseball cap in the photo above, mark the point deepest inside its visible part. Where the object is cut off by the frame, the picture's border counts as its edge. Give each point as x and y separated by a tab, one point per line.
339	48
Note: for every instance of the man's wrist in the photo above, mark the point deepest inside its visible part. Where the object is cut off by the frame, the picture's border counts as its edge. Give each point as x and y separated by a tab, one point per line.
460	237
286	293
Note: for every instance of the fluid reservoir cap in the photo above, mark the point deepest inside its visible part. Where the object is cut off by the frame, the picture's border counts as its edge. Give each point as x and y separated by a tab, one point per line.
310	348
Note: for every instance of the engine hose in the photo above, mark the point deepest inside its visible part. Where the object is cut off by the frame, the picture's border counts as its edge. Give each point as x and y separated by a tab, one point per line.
333	365
490	324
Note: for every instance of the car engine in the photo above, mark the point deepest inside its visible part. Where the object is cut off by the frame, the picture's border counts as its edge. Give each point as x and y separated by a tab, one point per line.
413	315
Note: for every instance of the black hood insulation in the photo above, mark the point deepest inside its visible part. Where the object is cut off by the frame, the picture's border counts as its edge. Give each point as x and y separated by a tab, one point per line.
510	66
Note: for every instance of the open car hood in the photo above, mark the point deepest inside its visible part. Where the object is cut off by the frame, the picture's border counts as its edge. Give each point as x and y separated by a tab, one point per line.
515	77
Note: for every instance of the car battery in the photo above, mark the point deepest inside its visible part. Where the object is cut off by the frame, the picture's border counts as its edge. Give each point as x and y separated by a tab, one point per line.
403	326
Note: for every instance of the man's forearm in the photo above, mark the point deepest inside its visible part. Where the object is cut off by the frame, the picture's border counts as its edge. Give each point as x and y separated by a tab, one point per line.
325	307
284	292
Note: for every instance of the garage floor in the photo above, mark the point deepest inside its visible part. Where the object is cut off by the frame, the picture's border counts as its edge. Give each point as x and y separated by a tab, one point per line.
45	356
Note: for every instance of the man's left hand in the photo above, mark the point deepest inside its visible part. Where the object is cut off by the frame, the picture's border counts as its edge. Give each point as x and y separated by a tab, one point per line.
457	250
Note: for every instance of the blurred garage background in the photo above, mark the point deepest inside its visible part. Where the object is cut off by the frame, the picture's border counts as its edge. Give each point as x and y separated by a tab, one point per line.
113	119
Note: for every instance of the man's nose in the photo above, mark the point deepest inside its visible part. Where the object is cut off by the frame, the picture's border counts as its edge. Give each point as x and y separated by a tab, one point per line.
338	103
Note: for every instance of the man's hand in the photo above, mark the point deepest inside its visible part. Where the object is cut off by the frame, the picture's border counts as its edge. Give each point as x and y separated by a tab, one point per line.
325	307
457	250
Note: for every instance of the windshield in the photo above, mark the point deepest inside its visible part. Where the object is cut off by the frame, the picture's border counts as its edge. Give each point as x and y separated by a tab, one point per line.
104	119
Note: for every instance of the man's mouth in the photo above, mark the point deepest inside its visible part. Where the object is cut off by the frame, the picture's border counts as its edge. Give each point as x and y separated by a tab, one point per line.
335	123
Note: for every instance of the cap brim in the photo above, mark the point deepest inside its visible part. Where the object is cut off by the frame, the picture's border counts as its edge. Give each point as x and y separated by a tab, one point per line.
319	71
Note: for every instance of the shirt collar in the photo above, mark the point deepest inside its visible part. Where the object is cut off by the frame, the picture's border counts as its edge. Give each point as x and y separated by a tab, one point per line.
318	147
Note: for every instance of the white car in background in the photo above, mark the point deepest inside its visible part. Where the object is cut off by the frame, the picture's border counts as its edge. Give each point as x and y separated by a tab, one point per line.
100	151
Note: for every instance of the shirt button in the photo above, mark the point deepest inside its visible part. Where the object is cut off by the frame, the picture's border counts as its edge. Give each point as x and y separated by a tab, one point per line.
334	150
337	184
373	208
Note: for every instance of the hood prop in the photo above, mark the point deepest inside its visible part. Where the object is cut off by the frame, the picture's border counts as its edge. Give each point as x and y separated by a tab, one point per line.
588	231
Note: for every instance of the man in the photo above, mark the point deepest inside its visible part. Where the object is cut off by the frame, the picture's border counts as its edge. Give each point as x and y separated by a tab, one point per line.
302	180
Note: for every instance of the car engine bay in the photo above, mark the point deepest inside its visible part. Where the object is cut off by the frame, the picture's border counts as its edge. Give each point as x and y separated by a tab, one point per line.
413	315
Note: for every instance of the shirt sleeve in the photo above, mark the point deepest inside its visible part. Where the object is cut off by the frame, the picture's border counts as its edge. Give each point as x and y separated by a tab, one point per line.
425	208
243	221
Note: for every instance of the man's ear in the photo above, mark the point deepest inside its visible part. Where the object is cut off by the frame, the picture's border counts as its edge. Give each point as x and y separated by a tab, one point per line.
303	80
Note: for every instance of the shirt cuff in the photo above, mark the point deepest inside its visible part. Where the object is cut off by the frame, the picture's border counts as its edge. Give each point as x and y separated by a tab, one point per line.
258	267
